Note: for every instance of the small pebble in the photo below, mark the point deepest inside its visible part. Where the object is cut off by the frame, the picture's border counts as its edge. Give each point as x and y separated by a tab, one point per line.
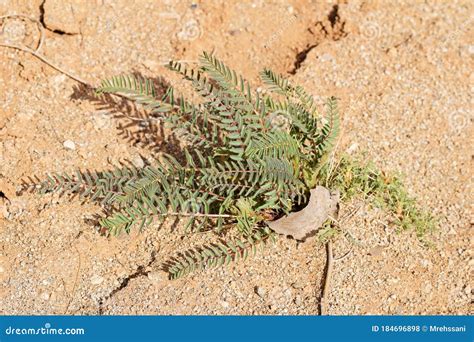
352	148
427	288
44	296
69	145
260	291
326	57
137	160
58	80
96	279
467	290
158	277
425	263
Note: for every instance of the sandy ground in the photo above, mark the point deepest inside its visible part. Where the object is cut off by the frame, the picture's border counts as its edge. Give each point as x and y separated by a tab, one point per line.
404	76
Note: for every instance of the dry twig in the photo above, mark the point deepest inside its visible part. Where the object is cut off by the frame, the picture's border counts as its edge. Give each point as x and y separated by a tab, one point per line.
327	280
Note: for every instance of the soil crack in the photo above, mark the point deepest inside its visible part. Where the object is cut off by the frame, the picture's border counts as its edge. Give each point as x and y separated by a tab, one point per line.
141	271
331	29
43	23
301	57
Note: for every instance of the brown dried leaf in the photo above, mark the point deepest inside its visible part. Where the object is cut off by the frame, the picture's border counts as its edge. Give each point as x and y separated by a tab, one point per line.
301	224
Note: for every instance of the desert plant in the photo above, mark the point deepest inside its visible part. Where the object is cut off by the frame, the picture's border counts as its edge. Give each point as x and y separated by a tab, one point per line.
248	158
358	177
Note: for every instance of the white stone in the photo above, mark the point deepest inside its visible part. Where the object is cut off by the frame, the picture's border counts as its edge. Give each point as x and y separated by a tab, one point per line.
69	145
137	160
101	120
326	57
260	291
467	290
96	279
57	81
427	288
353	148
158	277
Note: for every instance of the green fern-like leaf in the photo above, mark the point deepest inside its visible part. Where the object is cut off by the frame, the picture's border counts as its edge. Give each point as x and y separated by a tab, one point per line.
276	144
102	187
237	167
218	254
330	129
141	90
275	82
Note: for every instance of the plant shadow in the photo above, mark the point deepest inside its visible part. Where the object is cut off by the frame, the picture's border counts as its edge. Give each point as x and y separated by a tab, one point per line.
136	126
